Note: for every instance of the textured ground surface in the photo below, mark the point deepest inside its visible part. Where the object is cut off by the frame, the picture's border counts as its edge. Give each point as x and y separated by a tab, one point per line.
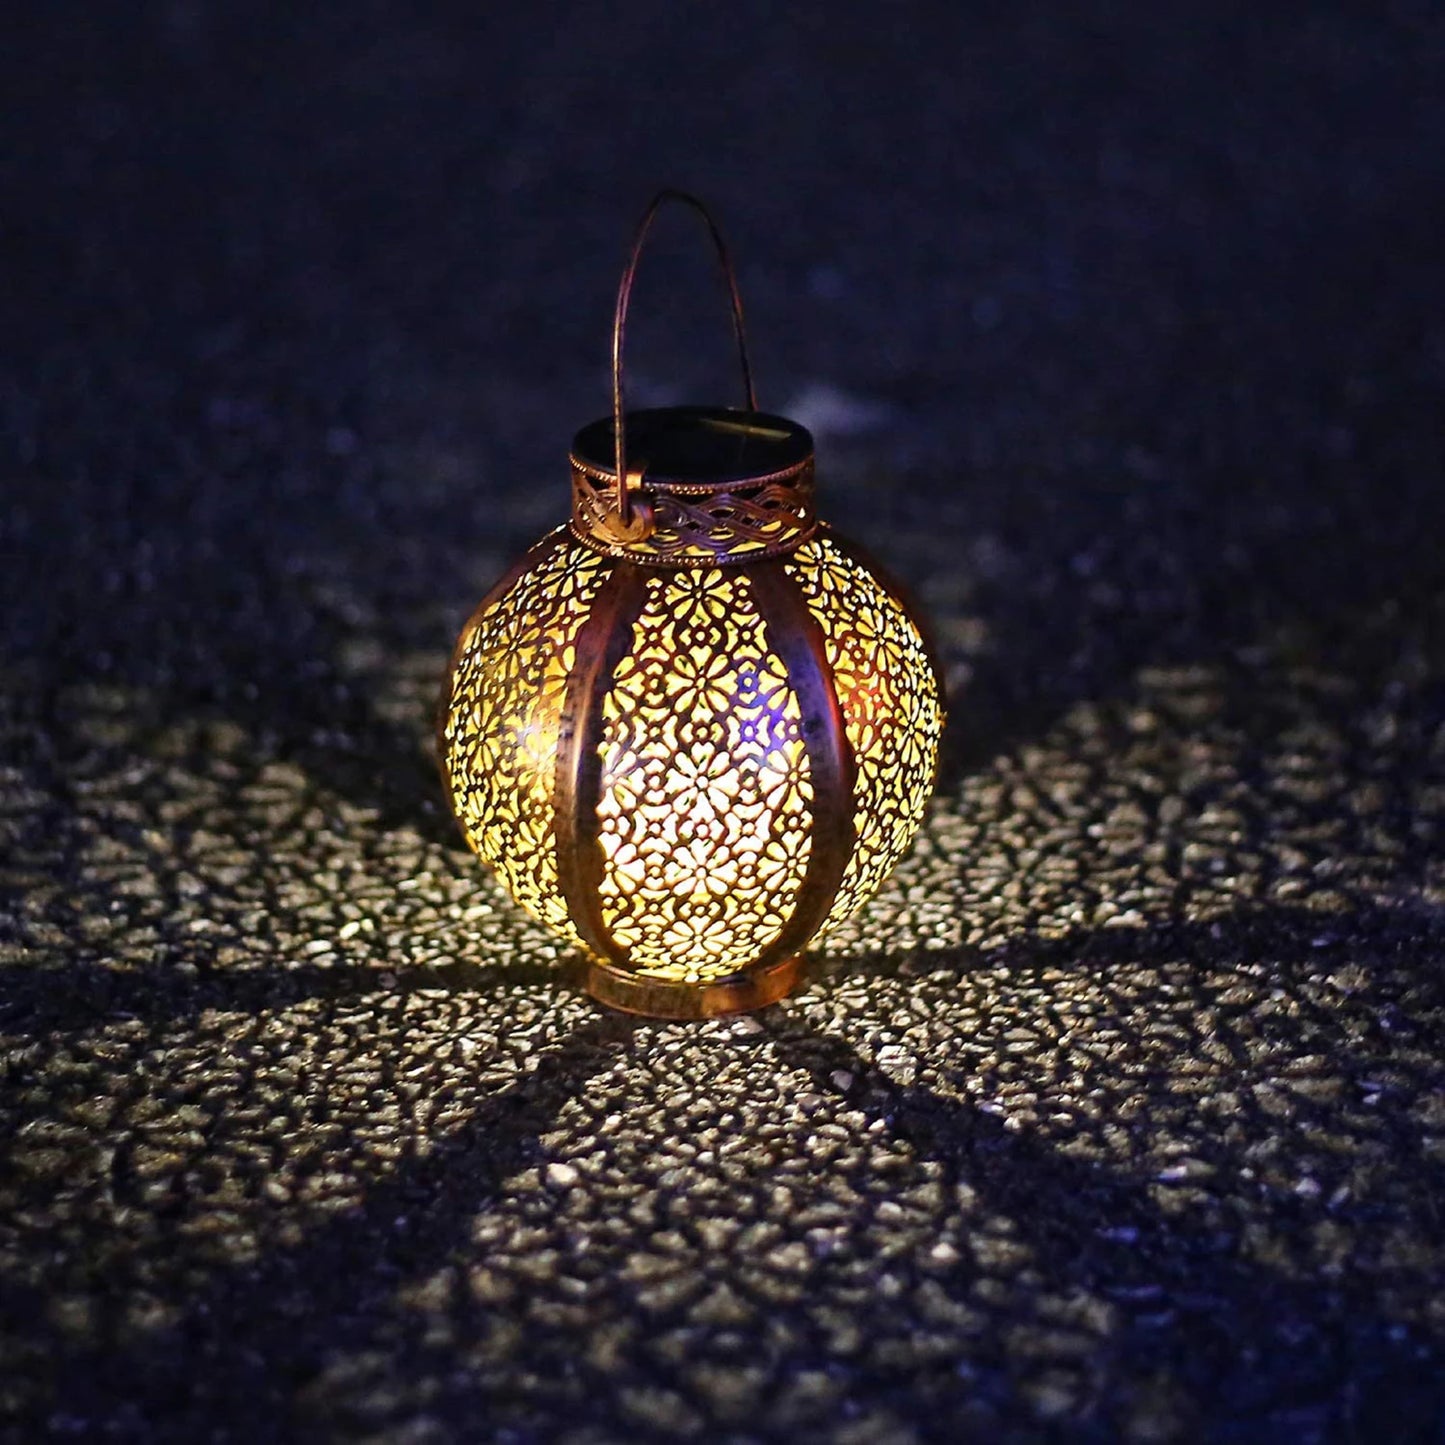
1119	1115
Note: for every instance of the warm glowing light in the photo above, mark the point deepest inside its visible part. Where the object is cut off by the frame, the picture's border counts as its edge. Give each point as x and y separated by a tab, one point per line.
693	729
500	731
704	805
705	783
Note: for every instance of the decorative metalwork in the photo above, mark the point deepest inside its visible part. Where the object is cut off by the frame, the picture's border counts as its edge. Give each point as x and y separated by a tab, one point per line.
695	729
891	704
703	814
700	525
499	735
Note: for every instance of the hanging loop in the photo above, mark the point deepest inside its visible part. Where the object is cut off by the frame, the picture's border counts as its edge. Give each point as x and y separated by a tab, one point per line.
635	522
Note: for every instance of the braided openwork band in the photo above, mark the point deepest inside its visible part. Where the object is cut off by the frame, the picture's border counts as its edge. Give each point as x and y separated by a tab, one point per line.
699	524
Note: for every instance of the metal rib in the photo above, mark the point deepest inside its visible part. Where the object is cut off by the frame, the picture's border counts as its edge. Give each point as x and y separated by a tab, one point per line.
795	636
602	643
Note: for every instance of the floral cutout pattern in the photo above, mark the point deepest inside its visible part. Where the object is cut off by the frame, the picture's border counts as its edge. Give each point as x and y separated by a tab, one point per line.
500	735
705	804
704	810
891	705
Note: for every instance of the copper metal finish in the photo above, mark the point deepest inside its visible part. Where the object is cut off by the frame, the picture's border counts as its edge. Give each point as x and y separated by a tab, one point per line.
601	644
624	479
693	729
798	640
691	524
660	998
629	510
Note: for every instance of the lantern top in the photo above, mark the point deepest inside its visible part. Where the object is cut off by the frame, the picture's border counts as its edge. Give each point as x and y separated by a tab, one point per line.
691	486
699	446
718	486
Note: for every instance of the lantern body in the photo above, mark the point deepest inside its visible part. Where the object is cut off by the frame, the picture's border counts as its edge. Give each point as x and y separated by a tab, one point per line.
691	754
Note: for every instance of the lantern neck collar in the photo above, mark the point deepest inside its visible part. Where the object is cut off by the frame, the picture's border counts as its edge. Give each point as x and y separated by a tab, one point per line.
716	486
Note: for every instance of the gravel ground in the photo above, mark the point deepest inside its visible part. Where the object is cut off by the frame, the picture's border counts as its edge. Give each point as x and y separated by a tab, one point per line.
1117	1116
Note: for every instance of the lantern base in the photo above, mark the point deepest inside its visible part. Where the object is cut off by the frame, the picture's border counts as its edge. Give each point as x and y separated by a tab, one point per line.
662	998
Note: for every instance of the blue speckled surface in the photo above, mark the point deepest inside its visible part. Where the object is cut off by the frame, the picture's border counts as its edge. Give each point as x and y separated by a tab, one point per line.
1117	1116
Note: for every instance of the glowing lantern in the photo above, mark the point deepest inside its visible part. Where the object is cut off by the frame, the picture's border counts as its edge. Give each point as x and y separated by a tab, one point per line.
695	728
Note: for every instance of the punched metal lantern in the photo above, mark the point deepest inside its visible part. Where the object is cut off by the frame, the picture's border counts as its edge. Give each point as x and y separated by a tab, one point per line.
694	728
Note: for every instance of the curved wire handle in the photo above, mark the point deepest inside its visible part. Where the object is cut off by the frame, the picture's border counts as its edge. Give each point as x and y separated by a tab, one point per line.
619	323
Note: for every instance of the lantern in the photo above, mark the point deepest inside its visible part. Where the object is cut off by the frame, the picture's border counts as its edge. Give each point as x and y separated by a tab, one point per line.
694	728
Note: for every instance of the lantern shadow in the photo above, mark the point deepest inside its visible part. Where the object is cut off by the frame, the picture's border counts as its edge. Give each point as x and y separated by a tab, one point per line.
322	671
411	1222
1188	1309
1287	938
289	1337
80	998
1154	592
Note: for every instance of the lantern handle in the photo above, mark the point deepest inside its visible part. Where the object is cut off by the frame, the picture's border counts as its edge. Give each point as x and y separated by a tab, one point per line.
625	482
